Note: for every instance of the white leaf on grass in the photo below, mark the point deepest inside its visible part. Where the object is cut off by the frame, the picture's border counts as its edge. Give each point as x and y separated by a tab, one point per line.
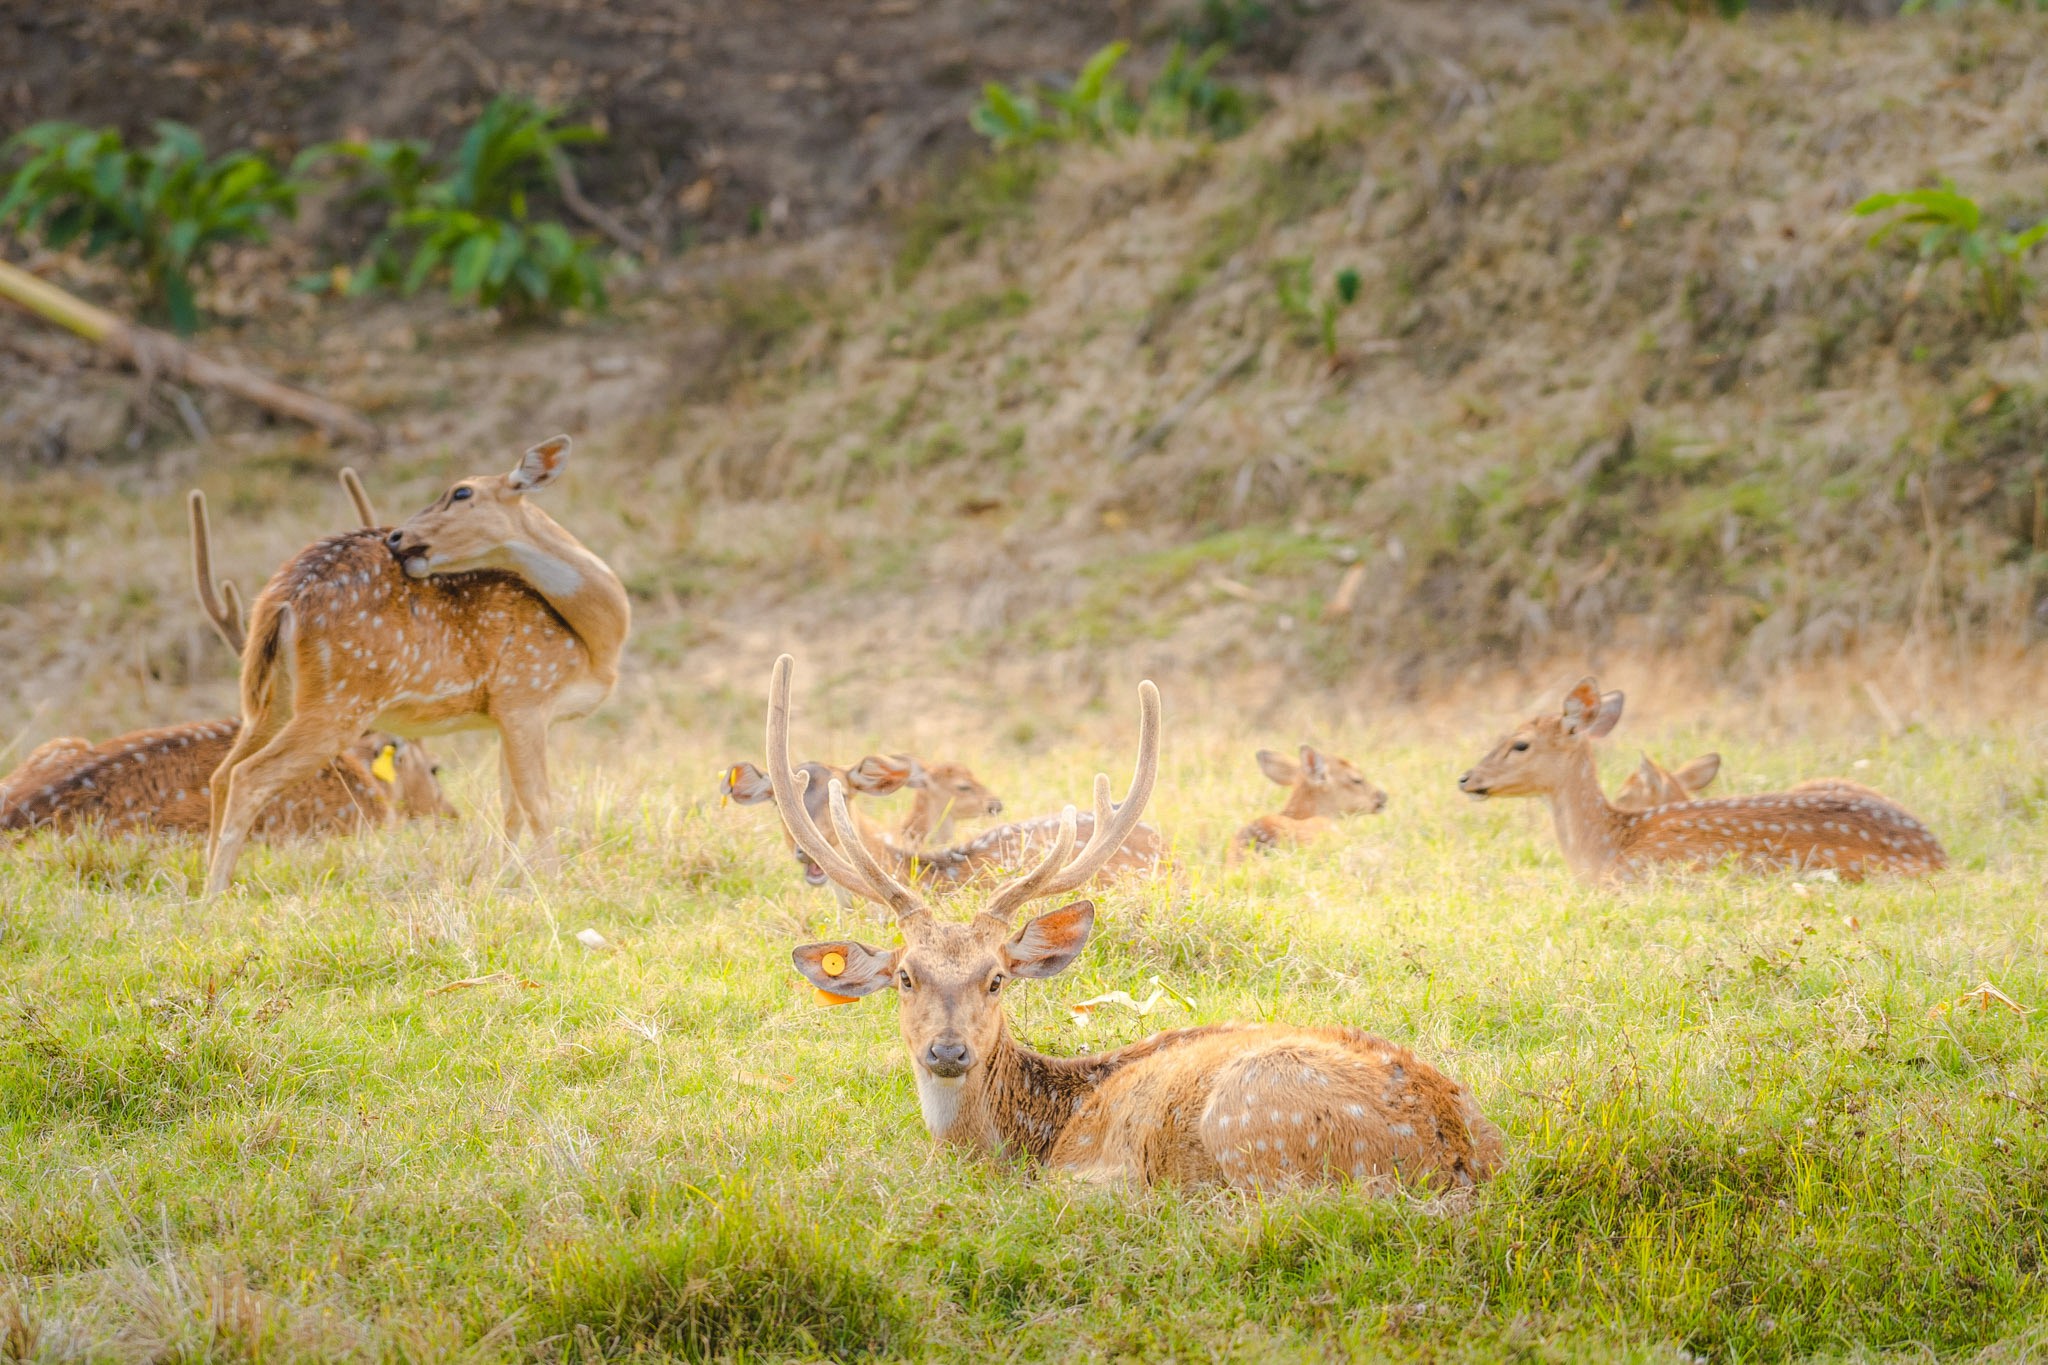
593	940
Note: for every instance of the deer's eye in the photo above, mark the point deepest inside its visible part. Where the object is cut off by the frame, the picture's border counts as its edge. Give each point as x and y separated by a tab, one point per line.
460	495
903	981
995	983
1519	745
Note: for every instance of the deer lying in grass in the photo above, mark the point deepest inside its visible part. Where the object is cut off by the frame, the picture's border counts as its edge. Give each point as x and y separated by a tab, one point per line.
1247	1105
939	793
1321	788
479	612
157	779
1653	784
1845	828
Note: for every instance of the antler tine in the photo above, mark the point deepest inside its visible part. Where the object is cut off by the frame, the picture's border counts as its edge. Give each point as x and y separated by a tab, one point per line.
225	616
359	495
894	894
1113	824
1028	887
788	789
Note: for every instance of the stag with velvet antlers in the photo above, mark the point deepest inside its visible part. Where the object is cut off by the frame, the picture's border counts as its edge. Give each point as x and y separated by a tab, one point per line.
1247	1105
480	612
1828	825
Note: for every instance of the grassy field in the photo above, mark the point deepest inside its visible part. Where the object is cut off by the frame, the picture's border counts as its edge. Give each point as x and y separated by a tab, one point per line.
1741	1123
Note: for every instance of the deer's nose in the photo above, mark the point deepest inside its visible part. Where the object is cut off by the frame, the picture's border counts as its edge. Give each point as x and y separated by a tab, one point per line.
396	538
947	1059
995	808
1465	778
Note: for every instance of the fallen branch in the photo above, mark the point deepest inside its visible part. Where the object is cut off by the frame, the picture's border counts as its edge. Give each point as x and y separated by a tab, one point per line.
607	223
1218	377
159	356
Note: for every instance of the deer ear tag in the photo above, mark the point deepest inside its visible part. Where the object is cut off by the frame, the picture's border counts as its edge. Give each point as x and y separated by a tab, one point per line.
833	963
385	769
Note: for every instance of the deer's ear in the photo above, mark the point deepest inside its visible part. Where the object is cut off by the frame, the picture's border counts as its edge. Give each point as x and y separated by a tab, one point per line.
1048	943
1278	767
746	784
846	968
1700	772
878	776
1314	763
1606	715
1579	705
540	466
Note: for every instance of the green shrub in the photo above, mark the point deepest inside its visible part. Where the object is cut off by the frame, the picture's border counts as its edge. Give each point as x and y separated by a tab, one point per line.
1294	287
1947	225
1186	99
159	210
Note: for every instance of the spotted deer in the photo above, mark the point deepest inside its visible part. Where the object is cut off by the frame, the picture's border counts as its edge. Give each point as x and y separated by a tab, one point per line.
1653	784
1247	1105
1848	830
479	612
1321	788
874	775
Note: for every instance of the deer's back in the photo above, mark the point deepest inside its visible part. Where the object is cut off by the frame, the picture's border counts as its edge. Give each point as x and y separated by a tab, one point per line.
160	780
420	655
1005	849
1272	831
1251	1105
1843	827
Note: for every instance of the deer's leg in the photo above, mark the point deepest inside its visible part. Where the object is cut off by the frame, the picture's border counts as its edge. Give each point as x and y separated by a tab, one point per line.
304	745
256	732
515	814
523	745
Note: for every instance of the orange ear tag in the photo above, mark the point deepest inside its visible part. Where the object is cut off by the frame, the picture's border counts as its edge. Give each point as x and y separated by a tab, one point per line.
826	997
833	964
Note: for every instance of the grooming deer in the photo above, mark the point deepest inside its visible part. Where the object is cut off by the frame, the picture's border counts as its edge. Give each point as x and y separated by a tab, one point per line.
1320	789
1653	784
1247	1105
479	612
157	779
1830	825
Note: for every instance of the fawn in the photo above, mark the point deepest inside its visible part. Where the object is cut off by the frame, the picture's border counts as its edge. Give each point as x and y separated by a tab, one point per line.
1321	787
872	776
479	612
1247	1105
1653	784
1845	828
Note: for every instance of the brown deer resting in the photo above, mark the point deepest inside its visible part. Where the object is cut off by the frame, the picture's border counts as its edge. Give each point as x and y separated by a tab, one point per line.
1321	788
479	612
936	800
157	779
1830	825
1653	784
1247	1105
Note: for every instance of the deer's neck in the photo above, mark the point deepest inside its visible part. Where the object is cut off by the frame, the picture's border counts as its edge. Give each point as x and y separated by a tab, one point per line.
929	818
1015	1103
1589	830
578	585
1301	804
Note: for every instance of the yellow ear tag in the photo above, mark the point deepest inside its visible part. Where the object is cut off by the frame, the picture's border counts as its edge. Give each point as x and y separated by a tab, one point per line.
385	769
833	962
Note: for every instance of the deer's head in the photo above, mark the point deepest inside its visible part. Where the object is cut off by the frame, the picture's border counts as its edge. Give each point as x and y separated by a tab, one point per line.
484	523
1653	784
1539	755
950	979
1322	784
408	772
952	787
872	776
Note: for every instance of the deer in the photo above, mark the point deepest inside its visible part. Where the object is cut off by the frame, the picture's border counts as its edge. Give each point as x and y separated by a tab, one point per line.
1243	1105
1321	788
1846	829
1653	784
157	779
874	775
480	612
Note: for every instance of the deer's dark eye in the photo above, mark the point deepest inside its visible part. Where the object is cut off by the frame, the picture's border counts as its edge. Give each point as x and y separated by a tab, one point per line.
460	495
995	983
1519	745
903	980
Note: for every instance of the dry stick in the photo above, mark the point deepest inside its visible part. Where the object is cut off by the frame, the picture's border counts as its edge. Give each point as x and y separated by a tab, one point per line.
1159	430
153	353
610	226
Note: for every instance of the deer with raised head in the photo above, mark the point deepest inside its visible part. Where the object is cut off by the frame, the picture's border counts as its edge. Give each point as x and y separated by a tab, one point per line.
1320	789
480	612
1653	784
1849	830
747	785
1247	1105
157	779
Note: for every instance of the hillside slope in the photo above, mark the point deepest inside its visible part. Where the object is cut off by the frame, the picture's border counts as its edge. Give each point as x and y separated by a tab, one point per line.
1621	376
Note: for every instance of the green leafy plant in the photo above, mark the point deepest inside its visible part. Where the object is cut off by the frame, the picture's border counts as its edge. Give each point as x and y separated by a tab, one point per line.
470	220
159	210
1186	98
1945	224
391	173
1294	287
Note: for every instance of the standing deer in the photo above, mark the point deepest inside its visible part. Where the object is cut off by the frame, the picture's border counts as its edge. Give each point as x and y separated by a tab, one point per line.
479	612
1653	784
1850	830
1321	788
1247	1105
157	779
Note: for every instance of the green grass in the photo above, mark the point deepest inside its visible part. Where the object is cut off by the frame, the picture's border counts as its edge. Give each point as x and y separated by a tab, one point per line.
264	1129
